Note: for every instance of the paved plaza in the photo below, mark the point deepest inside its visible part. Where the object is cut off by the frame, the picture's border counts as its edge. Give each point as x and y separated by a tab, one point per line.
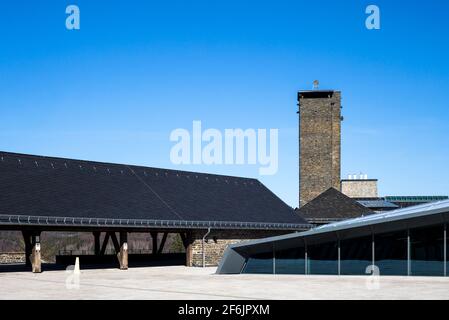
178	282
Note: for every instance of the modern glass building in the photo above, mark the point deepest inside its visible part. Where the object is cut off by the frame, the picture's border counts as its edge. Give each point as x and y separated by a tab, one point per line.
406	242
408	201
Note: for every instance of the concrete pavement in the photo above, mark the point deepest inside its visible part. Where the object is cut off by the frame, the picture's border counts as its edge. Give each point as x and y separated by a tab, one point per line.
178	282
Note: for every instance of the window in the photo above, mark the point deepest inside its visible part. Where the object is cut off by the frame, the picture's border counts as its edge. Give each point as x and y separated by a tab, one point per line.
391	253
322	258
356	255
427	251
290	261
259	263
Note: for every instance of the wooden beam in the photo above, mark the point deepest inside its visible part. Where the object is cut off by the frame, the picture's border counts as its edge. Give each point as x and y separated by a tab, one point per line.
154	237
28	248
105	244
186	239
189	255
97	235
115	242
161	246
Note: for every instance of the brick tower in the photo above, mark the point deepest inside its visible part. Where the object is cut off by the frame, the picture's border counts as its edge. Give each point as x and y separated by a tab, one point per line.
319	142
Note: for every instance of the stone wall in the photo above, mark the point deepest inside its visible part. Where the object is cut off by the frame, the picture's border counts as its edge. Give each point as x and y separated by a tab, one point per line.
13	257
359	188
217	242
319	144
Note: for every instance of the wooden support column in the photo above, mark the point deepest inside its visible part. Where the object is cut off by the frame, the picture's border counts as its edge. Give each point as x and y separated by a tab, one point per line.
154	237
115	242
184	239
36	252
187	241
123	254
28	248
97	235
105	244
162	244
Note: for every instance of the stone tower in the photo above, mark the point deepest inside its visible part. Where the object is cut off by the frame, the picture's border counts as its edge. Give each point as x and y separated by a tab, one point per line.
319	142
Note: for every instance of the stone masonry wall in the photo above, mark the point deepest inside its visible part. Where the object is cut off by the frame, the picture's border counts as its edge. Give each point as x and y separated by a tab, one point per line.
319	141
13	257
359	188
218	241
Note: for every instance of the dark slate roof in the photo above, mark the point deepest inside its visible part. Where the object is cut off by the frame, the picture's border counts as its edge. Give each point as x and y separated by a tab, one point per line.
333	205
56	187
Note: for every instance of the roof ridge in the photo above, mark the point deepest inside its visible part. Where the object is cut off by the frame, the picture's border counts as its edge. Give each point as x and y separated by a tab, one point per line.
32	156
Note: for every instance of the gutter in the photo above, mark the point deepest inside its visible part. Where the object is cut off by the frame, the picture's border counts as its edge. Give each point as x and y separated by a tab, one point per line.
54	221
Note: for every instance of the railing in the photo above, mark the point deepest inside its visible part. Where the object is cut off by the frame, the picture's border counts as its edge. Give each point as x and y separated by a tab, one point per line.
21	220
12	253
325	220
109	251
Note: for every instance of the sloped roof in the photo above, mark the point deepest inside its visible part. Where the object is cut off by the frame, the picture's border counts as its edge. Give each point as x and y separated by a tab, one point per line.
56	187
333	204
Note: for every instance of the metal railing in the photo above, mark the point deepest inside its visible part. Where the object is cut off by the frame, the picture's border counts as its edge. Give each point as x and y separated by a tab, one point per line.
108	251
325	220
12	253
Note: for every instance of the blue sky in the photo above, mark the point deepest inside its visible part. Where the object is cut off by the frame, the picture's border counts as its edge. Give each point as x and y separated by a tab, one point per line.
136	70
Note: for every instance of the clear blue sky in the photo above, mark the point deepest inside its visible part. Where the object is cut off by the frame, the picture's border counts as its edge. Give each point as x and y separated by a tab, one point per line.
114	90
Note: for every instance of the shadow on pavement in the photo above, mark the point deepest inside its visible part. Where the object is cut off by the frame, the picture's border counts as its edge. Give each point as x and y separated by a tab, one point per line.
101	262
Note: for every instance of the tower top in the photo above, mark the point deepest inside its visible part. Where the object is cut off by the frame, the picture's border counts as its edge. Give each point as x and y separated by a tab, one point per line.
316	84
316	94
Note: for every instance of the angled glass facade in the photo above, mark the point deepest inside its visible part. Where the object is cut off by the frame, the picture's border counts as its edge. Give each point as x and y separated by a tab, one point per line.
427	251
322	258
356	255
446	250
419	251
390	254
290	261
261	263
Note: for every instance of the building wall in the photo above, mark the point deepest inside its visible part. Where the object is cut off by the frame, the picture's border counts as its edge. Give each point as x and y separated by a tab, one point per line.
319	144
218	241
359	188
